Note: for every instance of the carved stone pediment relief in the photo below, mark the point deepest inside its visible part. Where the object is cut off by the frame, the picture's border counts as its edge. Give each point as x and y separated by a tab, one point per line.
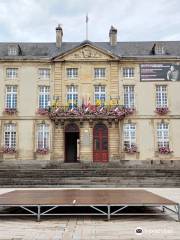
86	53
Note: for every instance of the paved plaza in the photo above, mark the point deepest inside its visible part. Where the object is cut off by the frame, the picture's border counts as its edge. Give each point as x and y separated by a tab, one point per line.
96	228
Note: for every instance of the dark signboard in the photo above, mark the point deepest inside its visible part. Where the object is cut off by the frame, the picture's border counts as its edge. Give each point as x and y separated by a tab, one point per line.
160	72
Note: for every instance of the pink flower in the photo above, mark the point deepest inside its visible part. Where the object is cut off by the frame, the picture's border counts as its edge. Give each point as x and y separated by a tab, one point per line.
162	110
43	111
131	149
164	150
9	150
42	151
10	110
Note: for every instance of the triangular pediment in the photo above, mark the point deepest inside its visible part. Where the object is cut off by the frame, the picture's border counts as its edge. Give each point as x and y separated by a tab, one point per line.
85	52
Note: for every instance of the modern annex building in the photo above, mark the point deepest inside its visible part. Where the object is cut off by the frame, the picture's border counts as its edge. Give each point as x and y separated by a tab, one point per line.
90	101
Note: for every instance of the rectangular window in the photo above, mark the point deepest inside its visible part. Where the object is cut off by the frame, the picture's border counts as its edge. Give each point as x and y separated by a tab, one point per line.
129	135
10	135
161	96
44	73
163	135
11	97
99	73
72	96
159	50
72	73
100	93
44	97
12	51
129	96
43	136
128	72
11	73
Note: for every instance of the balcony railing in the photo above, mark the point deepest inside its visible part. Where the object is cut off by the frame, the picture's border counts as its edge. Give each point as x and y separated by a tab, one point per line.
90	112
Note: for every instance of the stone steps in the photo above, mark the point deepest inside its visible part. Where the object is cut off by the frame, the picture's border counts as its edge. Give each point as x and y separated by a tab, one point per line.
122	174
89	177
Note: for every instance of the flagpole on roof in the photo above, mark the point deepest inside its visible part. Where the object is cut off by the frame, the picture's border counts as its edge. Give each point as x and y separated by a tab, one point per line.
87	19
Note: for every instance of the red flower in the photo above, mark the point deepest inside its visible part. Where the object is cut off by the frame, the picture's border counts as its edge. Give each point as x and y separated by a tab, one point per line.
164	150
92	110
131	149
42	151
162	110
43	111
9	150
10	110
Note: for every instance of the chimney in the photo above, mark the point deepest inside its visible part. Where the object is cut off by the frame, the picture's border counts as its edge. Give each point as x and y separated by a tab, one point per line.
59	35
113	36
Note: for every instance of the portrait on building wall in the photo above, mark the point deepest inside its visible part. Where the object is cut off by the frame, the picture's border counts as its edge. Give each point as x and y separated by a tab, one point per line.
160	72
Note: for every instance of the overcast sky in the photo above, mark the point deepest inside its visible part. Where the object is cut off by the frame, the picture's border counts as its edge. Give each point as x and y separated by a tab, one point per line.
136	20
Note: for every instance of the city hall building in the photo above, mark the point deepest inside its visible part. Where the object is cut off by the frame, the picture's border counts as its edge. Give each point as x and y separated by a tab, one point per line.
90	101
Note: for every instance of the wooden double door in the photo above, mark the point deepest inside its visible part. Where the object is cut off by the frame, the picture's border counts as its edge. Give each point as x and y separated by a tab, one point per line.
100	143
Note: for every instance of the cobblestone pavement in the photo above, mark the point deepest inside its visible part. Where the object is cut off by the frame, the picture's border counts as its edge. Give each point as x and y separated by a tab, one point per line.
93	228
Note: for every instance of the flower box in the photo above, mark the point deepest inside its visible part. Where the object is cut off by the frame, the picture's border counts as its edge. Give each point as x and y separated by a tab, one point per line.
10	110
162	110
131	149
9	150
164	150
43	111
42	151
91	111
129	111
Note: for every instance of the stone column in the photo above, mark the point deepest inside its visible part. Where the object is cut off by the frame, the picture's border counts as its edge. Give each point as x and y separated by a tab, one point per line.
86	143
58	143
113	142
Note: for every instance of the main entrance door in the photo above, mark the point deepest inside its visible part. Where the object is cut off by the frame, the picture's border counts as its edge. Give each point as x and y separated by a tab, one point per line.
100	143
71	143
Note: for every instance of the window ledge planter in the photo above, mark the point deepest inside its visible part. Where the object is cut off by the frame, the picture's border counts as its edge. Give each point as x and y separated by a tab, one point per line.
10	111
131	150
165	150
42	151
129	111
43	111
9	150
162	110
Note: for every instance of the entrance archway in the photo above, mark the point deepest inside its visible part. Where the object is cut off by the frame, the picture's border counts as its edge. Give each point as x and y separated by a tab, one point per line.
100	143
71	143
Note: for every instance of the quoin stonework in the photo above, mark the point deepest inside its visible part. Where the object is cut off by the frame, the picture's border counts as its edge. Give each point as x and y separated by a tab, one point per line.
90	101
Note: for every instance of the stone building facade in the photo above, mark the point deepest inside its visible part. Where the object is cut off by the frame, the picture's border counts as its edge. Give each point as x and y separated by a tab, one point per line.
90	101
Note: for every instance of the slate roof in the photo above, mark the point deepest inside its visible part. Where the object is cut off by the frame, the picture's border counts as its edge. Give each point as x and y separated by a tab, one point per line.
122	49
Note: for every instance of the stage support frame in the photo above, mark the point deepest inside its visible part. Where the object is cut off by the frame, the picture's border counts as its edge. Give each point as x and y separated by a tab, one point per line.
38	211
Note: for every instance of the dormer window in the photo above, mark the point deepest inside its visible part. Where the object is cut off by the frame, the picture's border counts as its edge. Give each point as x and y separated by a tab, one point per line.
13	50
159	49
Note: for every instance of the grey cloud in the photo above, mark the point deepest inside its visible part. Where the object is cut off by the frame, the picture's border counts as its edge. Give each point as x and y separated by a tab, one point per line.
136	20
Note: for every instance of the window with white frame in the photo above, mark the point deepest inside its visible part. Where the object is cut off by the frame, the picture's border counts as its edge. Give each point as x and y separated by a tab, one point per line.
44	97
99	73
11	97
72	73
44	73
72	95
128	72
43	136
100	93
129	97
11	73
10	135
159	50
129	135
161	96
163	135
12	51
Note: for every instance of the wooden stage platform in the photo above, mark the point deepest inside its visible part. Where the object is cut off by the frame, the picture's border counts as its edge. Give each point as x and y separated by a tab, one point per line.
103	202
